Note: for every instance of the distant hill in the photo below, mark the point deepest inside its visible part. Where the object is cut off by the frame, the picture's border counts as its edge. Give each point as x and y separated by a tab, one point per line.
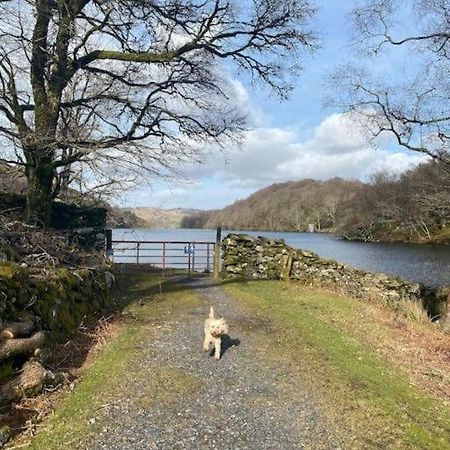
290	206
161	218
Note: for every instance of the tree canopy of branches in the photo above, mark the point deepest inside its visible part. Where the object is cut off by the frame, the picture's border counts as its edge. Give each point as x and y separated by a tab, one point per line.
132	85
412	104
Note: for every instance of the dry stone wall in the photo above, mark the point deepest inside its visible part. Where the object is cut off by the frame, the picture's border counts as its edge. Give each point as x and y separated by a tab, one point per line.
249	257
59	298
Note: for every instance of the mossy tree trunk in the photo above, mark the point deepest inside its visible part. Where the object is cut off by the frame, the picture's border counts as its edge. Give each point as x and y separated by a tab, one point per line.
40	179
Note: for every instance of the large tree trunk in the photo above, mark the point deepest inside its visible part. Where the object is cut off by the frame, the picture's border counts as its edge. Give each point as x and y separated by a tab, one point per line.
39	196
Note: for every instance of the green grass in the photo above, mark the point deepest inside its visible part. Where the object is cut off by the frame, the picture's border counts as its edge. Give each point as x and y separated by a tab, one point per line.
443	237
6	372
371	404
116	369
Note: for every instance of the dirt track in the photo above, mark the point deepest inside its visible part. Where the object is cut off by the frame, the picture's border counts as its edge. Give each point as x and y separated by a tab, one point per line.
250	399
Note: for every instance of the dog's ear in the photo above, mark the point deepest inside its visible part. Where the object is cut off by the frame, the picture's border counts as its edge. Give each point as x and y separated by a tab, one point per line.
211	313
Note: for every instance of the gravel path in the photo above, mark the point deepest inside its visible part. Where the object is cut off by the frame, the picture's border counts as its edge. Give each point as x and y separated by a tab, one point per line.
247	400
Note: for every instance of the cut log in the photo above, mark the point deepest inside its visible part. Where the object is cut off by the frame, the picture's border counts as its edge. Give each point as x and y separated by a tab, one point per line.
28	383
31	381
17	330
26	346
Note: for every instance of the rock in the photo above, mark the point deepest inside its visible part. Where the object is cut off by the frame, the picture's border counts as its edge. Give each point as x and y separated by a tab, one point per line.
392	296
415	289
379	277
234	269
110	280
392	283
245	238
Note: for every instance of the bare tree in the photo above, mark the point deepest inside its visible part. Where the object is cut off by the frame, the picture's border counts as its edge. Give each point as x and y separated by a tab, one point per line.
413	105
136	84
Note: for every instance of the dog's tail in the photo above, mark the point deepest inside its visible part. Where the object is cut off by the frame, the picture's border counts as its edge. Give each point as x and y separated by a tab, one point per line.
211	313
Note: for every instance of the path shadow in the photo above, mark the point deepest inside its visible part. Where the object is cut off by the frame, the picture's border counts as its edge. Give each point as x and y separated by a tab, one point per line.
227	342
173	280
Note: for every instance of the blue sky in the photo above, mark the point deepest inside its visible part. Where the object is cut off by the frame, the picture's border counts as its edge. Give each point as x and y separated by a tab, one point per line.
291	140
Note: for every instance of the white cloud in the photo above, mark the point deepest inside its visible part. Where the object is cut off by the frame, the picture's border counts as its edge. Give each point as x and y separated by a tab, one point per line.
335	148
337	134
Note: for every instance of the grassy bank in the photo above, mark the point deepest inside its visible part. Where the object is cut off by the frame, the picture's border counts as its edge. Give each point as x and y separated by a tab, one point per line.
106	378
383	382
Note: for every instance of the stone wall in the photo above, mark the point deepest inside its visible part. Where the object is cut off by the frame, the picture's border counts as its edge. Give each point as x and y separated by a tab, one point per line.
261	258
59	298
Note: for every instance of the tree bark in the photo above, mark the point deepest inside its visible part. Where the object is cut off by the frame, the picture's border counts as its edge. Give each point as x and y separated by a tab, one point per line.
28	383
39	195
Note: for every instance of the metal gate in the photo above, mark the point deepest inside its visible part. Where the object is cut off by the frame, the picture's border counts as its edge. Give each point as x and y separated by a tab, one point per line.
195	256
190	255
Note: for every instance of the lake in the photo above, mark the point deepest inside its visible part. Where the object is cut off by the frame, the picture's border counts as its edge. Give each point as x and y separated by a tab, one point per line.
428	264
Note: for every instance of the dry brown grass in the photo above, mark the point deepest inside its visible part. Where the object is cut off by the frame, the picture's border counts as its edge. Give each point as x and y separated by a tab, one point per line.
104	330
405	337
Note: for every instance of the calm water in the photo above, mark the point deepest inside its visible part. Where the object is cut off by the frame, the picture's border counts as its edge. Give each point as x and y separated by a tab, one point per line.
428	264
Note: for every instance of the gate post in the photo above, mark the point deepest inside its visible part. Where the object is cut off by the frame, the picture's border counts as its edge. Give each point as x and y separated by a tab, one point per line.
207	257
217	253
108	243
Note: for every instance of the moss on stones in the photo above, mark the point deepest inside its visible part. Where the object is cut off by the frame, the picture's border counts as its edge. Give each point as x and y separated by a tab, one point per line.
59	298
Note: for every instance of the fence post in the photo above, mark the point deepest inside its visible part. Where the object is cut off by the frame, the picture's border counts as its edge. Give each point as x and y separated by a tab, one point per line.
207	257
189	260
164	255
217	252
137	252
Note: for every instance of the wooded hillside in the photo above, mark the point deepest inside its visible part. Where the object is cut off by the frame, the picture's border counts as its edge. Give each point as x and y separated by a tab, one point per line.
413	206
286	206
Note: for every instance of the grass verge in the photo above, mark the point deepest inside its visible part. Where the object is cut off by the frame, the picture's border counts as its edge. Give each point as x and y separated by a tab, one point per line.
344	351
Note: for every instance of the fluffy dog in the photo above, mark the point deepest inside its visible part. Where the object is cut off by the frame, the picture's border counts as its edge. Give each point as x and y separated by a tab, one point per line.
214	330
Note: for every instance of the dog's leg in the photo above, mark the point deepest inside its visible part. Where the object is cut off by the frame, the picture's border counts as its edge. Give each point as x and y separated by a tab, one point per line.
217	346
206	343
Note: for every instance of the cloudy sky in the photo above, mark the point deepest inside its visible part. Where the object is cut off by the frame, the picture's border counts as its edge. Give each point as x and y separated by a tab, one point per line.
291	140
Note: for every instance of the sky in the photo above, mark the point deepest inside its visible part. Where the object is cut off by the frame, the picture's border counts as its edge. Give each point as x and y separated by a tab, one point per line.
287	140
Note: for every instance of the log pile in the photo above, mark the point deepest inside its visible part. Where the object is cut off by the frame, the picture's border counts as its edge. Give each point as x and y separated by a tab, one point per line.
19	342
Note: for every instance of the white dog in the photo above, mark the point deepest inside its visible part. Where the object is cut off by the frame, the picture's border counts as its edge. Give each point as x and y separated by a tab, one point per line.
214	330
